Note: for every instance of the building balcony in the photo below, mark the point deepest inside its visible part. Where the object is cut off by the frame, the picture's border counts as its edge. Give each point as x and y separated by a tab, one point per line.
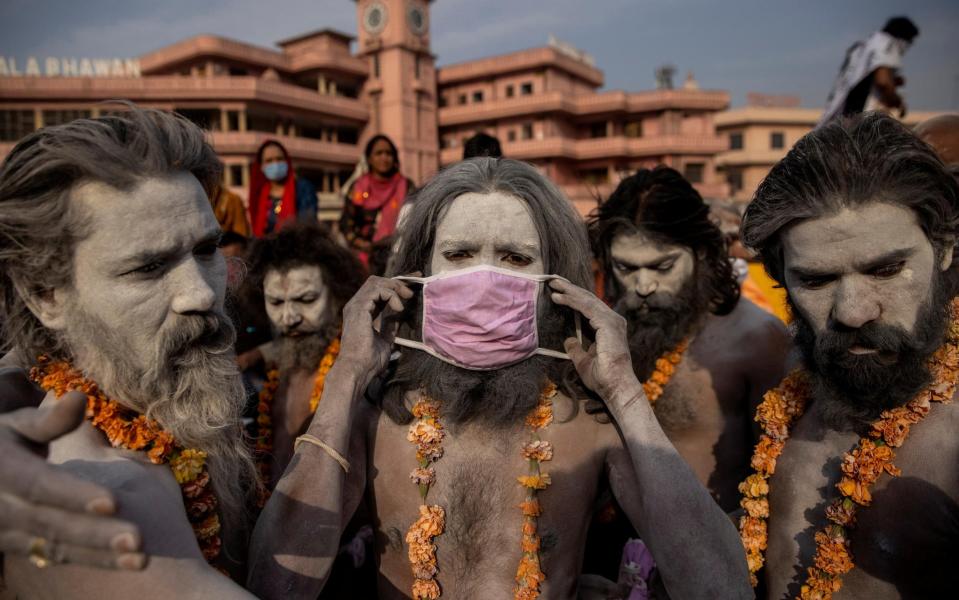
606	104
600	148
300	149
747	158
170	89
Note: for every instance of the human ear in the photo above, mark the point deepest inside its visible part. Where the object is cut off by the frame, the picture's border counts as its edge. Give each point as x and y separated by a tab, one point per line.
947	252
48	306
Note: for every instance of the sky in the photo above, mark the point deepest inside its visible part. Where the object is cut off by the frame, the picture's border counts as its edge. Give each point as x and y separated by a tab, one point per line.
770	46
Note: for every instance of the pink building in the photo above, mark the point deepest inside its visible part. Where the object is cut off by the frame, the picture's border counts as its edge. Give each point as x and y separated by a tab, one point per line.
323	98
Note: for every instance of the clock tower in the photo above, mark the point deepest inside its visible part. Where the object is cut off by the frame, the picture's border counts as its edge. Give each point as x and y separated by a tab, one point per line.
401	89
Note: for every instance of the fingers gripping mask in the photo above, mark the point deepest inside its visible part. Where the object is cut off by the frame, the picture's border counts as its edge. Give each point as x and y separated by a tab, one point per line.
480	318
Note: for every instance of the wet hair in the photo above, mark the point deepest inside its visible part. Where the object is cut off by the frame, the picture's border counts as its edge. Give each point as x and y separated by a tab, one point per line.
848	163
368	151
298	245
661	204
902	28
40	226
565	251
482	144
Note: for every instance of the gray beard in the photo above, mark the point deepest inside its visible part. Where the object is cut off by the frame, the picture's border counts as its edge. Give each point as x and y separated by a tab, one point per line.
302	353
192	388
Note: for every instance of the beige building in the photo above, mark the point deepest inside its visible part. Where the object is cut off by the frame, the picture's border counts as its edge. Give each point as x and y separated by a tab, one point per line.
756	137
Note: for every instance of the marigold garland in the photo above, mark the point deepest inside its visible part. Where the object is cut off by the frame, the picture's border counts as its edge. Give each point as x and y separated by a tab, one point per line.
427	433
663	372
263	451
124	428
861	467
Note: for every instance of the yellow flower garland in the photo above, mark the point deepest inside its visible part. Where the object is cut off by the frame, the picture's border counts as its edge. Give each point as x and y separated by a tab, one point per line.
427	434
124	428
861	467
264	416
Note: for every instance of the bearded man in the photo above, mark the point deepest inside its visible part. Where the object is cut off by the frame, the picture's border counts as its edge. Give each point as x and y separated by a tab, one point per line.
111	281
705	354
856	493
454	453
303	279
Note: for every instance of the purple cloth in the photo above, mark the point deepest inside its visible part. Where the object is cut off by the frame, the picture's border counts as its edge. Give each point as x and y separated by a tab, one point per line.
635	569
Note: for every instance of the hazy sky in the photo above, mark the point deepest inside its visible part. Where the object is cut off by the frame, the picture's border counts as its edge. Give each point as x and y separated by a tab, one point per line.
770	46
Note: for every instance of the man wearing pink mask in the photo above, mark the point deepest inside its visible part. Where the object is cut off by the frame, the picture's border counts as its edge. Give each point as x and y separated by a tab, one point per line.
473	449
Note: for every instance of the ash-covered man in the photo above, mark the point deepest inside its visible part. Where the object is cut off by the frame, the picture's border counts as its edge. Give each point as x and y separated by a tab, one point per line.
303	278
856	489
480	473
112	284
705	355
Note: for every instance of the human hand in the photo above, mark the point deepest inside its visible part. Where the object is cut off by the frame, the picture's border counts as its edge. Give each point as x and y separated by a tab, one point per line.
364	348
49	514
606	368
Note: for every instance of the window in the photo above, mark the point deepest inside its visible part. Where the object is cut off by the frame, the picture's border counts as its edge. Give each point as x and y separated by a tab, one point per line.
693	172
442	101
777	140
236	175
462	99
736	141
59	117
15	124
633	129
511	135
238	72
527	131
735	180
594	176
233	120
416	67
509	91
526	89
478	96
597	130
376	65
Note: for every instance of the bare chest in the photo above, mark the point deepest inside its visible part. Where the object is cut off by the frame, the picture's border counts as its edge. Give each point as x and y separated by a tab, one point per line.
476	484
899	542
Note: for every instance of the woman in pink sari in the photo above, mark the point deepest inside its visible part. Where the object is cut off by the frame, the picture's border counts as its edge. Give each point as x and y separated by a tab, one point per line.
373	202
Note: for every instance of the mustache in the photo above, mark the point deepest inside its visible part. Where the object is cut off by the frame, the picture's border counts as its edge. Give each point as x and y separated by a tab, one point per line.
209	333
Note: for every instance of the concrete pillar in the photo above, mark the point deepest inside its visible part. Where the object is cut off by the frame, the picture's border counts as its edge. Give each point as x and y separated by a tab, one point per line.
334	136
224	120
332	88
291	129
37	118
245	177
321	84
241	120
279	127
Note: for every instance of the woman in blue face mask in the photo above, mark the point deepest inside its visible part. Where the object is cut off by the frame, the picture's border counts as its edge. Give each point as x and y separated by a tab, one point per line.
276	194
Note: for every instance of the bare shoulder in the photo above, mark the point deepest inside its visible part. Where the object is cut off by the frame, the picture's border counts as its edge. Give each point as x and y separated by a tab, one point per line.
749	323
586	425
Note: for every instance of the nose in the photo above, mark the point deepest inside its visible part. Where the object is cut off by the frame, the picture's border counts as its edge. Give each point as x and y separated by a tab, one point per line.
646	283
194	292
855	305
290	317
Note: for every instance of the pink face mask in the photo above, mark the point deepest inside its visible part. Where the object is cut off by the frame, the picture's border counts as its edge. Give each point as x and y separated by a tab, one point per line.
480	318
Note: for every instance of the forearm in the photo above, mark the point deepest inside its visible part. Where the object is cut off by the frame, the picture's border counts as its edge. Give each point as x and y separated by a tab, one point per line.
695	544
297	535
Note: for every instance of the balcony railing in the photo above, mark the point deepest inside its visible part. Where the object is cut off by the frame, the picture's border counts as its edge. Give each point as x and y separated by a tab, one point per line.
300	149
172	88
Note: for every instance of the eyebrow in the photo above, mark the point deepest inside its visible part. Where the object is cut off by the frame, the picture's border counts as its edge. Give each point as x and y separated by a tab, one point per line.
460	244
891	257
671	256
212	236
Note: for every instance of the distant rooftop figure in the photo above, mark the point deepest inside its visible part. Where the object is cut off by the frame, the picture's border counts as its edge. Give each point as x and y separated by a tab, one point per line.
869	75
482	144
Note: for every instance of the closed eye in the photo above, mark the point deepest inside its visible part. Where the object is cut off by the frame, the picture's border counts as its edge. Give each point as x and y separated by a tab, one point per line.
665	267
816	282
456	255
887	271
623	268
149	268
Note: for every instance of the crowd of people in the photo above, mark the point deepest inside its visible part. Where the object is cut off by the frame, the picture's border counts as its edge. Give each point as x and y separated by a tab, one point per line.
466	390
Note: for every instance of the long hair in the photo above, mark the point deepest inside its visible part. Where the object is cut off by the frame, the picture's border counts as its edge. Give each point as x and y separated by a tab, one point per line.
660	203
848	163
297	245
562	235
39	226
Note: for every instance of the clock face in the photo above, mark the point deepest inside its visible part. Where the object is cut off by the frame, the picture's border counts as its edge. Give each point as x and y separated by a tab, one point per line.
374	18
416	18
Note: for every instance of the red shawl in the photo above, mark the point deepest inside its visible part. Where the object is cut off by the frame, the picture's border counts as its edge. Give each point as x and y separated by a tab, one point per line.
259	197
383	195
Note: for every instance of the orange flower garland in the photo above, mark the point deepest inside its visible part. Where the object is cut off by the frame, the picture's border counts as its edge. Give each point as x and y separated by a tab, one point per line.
861	467
264	414
426	433
529	575
664	371
124	428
